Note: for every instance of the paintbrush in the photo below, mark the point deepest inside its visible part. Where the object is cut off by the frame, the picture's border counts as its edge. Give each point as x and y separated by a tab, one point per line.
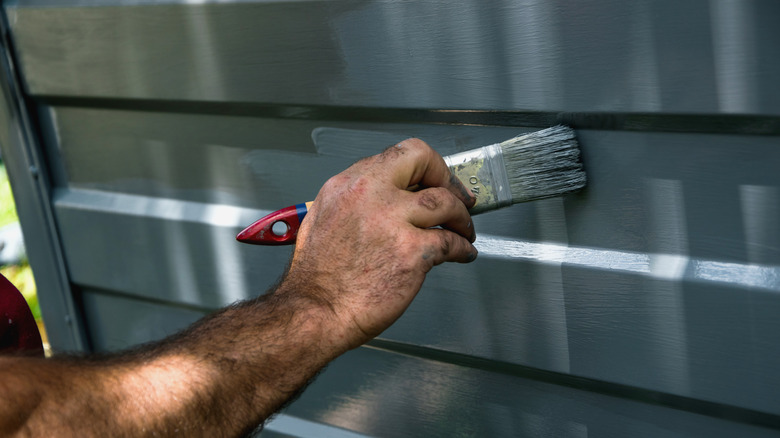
528	167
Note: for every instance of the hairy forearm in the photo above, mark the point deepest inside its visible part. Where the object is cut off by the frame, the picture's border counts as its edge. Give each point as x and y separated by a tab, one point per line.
222	377
360	259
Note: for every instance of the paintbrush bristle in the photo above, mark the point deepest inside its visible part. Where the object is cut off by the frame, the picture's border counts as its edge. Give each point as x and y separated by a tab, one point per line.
543	164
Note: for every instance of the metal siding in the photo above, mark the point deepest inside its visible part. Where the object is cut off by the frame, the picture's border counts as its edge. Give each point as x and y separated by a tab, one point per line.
645	56
647	302
380	393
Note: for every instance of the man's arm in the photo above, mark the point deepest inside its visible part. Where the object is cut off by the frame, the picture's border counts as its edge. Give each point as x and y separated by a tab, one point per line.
361	257
221	377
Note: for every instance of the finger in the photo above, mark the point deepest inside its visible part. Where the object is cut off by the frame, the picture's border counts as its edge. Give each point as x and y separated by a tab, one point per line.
413	162
441	246
437	206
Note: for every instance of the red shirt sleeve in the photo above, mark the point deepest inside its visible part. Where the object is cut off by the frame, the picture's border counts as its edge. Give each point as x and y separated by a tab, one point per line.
18	330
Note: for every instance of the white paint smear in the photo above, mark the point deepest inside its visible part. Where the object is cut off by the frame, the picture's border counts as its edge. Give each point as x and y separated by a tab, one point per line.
662	266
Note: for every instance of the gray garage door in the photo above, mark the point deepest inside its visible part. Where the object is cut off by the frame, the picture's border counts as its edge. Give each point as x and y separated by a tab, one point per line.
142	135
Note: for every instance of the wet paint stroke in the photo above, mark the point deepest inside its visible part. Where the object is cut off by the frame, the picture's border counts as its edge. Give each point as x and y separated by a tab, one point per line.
661	266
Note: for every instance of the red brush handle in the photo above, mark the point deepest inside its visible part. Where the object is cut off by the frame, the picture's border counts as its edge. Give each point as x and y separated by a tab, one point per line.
277	228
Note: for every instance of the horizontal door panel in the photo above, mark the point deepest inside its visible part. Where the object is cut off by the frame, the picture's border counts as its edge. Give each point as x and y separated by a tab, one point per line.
611	56
392	395
655	321
117	321
709	196
377	392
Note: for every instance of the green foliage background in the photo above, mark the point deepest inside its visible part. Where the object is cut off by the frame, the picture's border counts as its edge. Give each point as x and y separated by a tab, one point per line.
20	275
7	207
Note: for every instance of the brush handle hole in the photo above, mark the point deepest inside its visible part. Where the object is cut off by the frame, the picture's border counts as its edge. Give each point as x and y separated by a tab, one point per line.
280	228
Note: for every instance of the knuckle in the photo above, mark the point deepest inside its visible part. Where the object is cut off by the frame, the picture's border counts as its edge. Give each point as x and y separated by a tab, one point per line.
429	199
413	143
413	146
456	248
335	182
435	198
358	182
445	243
333	187
345	184
408	146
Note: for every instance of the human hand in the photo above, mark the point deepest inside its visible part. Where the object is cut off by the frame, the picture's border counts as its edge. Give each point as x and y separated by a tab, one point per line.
367	242
361	257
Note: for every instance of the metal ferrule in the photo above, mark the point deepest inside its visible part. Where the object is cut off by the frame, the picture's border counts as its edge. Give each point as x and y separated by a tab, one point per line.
483	171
